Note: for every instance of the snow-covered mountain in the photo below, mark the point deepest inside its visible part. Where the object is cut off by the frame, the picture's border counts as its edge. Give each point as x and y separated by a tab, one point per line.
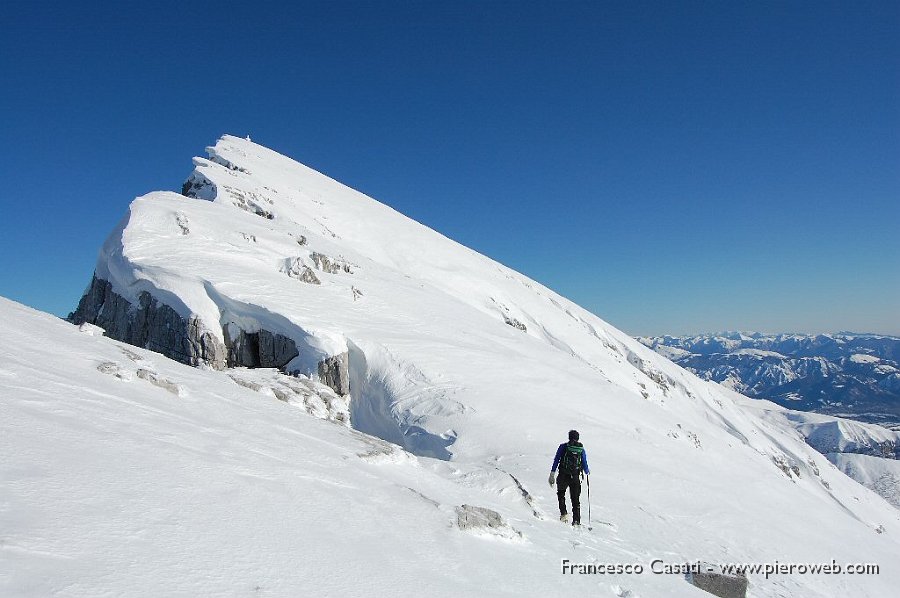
361	379
848	375
868	453
881	475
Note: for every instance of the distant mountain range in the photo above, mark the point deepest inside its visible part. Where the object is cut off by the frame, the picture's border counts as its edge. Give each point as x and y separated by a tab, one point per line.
845	374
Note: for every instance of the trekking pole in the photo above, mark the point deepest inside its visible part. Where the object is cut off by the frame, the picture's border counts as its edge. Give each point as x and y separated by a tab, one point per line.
590	527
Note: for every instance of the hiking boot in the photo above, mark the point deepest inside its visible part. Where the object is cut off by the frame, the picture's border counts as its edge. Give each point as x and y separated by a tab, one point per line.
564	517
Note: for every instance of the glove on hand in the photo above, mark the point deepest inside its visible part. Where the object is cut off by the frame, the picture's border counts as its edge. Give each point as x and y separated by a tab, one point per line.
552	478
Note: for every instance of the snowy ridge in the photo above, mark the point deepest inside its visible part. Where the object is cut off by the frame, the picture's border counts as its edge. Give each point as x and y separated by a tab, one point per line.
868	453
881	475
246	269
836	435
450	355
844	374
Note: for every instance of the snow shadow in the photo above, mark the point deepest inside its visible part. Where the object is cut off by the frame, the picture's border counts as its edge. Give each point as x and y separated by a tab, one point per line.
374	411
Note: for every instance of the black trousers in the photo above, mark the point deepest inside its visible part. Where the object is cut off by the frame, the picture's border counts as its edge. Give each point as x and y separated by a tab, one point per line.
563	481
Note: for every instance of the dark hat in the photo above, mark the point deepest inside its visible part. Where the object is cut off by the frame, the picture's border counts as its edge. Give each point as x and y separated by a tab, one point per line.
573	435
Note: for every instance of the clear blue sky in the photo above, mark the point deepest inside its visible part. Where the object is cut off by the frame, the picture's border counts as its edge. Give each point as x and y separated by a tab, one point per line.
674	167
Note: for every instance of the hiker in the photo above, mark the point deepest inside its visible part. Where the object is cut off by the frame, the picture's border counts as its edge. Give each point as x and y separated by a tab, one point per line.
571	458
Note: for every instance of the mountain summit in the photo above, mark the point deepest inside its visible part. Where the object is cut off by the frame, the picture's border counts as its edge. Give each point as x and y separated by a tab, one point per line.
271	264
275	278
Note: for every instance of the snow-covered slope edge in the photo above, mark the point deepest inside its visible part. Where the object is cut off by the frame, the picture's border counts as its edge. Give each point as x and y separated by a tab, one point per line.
865	452
124	473
181	482
836	374
878	474
450	354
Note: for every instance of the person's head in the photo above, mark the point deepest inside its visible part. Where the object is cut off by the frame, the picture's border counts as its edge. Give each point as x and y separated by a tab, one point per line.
573	435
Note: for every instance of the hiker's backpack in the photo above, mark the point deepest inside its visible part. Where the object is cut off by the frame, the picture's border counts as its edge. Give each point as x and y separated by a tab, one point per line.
570	463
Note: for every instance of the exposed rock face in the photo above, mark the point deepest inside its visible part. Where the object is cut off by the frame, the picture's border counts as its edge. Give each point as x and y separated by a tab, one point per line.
150	324
199	187
261	349
335	372
158	327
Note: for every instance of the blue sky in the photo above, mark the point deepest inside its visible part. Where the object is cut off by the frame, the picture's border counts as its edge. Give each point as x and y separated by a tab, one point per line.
674	167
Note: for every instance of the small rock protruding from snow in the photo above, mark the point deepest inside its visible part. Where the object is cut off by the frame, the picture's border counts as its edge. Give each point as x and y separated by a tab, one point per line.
295	268
91	329
112	368
724	585
481	519
182	221
157	380
515	323
329	265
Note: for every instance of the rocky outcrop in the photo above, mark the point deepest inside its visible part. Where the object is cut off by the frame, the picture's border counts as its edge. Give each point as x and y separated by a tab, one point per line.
198	186
719	584
295	268
334	371
470	516
484	520
261	349
157	380
156	326
149	324
329	265
515	323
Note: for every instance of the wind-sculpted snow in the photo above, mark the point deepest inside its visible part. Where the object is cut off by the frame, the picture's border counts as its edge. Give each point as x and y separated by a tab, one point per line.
327	266
473	373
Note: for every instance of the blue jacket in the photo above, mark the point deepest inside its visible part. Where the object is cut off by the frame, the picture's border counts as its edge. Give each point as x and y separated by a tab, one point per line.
559	454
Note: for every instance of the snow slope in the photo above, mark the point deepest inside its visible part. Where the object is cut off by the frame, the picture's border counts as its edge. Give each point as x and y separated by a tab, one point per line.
199	486
881	475
474	369
111	485
868	453
836	435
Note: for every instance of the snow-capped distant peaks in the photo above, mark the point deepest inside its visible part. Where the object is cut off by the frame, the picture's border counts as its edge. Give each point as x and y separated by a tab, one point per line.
849	375
862	358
